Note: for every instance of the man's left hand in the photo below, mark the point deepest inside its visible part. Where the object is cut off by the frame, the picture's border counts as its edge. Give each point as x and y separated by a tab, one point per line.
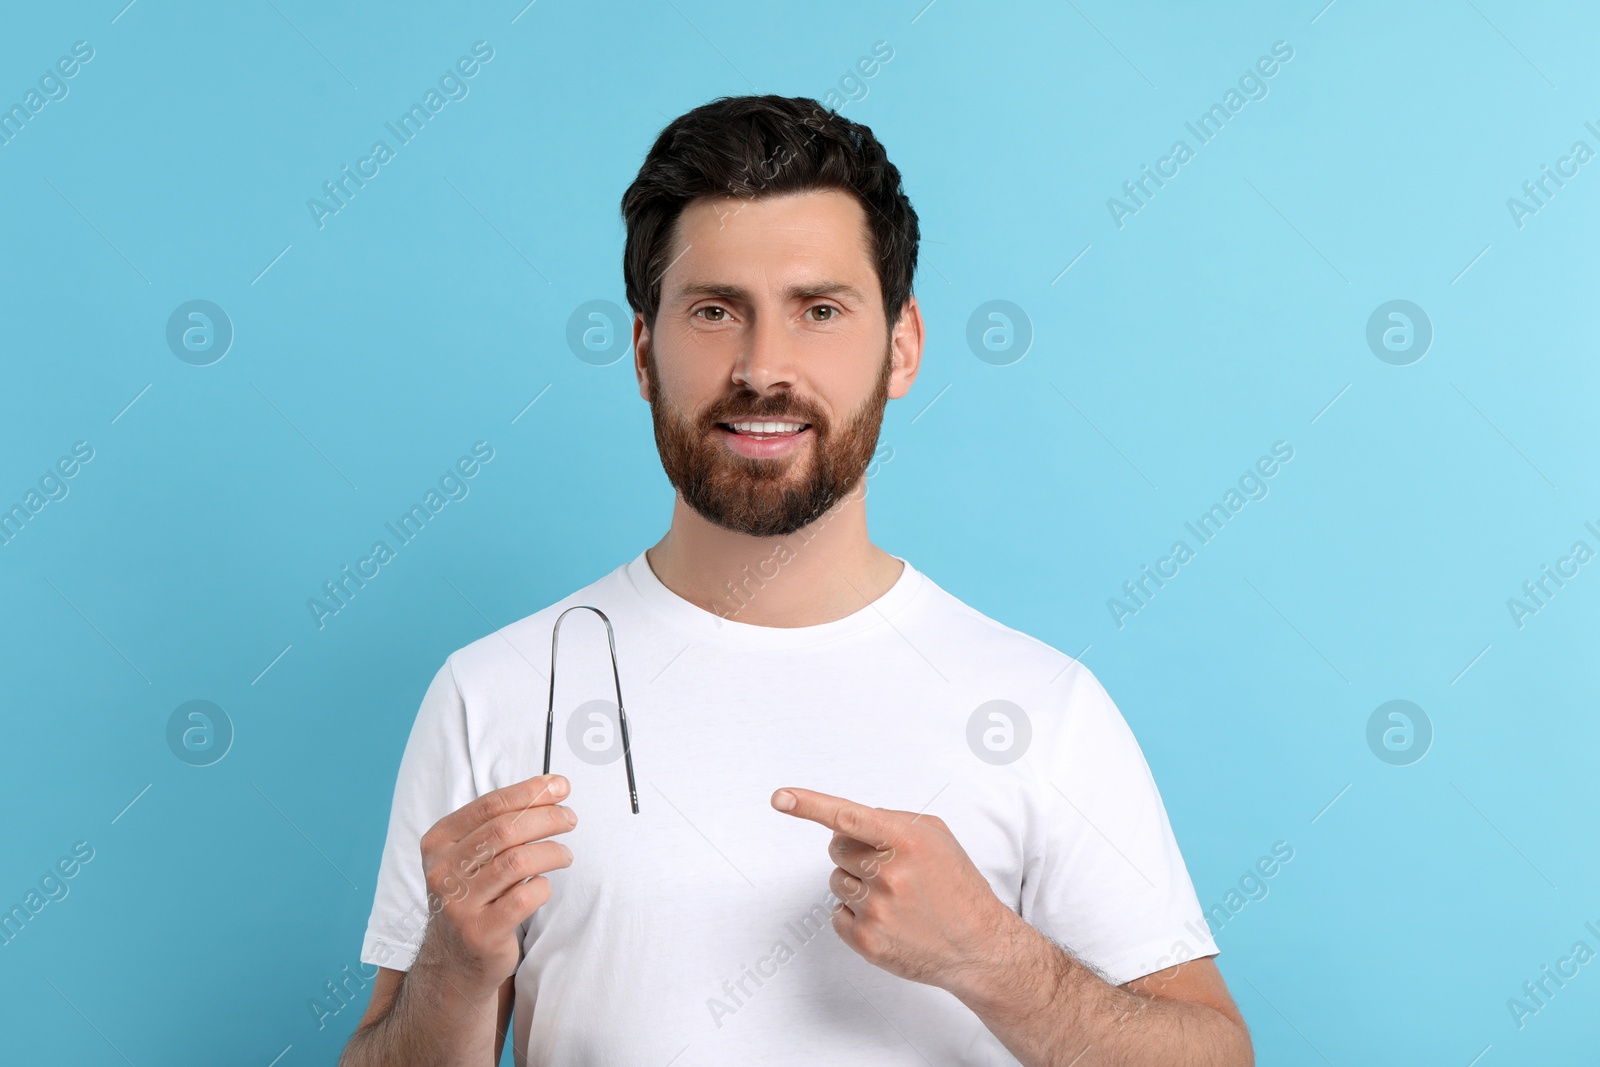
911	900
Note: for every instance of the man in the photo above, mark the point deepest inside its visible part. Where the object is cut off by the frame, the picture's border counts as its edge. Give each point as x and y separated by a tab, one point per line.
875	826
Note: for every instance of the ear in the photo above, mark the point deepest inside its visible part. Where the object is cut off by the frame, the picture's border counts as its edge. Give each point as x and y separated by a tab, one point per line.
906	344
641	353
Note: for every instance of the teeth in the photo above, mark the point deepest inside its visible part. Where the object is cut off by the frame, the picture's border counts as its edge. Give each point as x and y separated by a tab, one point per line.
766	427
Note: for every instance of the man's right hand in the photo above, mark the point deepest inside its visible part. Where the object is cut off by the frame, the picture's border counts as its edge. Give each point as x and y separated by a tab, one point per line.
485	865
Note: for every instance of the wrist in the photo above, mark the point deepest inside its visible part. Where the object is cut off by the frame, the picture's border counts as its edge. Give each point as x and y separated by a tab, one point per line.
449	988
448	982
1022	974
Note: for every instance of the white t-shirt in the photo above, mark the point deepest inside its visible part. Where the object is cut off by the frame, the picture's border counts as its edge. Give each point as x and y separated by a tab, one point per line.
698	931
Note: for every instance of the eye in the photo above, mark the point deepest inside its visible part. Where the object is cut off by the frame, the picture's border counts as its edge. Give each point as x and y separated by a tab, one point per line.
831	312
713	313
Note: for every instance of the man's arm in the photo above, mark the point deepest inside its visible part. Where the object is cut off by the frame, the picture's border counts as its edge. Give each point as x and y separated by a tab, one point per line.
407	1022
484	866
1051	1011
913	903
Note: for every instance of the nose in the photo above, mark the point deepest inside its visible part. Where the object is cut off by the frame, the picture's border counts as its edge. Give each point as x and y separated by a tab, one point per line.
767	358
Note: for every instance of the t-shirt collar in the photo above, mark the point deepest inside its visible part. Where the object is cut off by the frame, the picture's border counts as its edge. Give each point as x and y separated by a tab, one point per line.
724	625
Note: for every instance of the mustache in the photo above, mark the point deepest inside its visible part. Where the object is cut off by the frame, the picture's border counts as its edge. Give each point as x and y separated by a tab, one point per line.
779	409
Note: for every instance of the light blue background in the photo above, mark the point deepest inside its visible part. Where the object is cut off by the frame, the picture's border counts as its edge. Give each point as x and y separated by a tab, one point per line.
1226	315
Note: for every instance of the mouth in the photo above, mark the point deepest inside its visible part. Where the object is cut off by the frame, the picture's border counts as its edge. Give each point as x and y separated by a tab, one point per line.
763	438
765	429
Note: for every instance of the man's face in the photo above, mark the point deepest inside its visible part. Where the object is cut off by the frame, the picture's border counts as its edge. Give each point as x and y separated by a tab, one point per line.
771	311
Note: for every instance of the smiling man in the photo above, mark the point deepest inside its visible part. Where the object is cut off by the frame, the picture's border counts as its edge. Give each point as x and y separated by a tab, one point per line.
875	826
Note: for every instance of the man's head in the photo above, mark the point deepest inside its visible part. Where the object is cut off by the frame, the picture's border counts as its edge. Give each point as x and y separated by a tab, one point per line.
769	260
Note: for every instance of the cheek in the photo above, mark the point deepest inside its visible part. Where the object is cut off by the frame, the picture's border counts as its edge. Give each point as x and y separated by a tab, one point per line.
844	362
685	393
677	377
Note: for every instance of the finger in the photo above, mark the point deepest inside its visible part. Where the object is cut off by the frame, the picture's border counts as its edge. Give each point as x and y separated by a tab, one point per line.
857	857
518	902
517	865
874	826
505	832
468	869
844	922
529	793
851	890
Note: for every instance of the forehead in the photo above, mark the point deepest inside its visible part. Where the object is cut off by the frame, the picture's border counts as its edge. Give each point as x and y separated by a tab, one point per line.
794	233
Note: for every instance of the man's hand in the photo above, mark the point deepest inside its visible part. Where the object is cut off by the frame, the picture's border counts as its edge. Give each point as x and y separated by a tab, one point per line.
485	865
912	901
914	904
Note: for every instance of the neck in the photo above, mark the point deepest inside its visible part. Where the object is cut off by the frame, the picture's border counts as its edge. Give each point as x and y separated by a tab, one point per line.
819	573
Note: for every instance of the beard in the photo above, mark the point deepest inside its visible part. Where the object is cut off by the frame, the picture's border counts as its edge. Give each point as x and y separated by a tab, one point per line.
769	496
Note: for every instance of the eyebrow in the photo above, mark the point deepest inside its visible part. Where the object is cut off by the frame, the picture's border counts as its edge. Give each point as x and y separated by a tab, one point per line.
793	292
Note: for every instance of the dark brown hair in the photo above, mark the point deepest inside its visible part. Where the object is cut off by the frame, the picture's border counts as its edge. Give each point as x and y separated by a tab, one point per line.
753	146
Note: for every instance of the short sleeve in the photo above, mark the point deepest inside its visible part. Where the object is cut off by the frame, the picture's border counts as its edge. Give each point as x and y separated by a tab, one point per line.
1109	884
435	779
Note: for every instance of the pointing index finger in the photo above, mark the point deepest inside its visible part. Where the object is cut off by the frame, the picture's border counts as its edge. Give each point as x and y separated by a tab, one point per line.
871	826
